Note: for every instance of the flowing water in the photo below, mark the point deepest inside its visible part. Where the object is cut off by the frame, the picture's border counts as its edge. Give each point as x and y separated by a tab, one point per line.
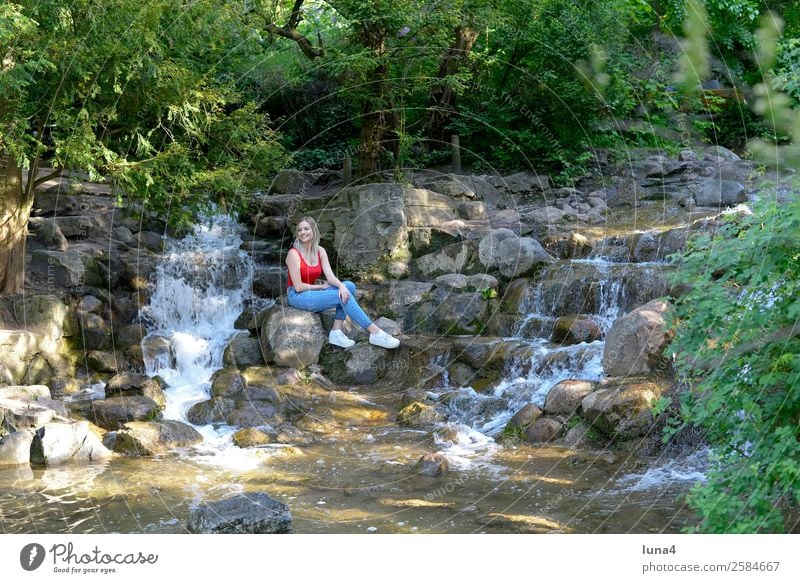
359	476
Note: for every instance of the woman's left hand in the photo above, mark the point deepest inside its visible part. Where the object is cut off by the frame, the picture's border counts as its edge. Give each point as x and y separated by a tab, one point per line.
344	294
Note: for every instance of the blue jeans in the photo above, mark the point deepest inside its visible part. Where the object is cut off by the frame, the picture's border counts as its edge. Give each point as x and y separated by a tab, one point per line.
319	300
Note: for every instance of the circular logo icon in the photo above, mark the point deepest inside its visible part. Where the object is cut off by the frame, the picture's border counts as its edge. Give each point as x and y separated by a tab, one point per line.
31	556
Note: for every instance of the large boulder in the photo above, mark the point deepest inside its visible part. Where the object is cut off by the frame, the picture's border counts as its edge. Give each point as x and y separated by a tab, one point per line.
623	408
243	350
59	443
460	313
115	412
228	383
128	384
543	430
243	514
291	338
15	449
16	415
151	438
363	364
575	329
714	192
488	249
565	397
636	341
520	256
214	410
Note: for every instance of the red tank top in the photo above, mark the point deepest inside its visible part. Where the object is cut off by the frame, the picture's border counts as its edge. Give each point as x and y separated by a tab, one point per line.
308	273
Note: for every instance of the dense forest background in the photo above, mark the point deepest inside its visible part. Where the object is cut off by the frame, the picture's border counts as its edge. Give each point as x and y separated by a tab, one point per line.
186	103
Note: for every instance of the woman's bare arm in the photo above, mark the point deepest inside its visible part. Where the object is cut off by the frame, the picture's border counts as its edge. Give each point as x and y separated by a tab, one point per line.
327	270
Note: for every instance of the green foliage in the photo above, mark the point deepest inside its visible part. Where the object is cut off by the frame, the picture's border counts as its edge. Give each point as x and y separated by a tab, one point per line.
738	347
139	91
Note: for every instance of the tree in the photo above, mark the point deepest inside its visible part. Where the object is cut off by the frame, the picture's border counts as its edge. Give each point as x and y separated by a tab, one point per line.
132	90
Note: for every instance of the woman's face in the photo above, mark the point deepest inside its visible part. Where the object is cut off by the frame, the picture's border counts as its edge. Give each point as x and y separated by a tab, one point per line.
304	232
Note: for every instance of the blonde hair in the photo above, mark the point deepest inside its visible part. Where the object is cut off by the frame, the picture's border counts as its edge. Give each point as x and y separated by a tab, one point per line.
314	241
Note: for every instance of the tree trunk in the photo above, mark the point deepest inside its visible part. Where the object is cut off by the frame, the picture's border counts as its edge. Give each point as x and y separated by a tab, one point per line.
443	98
15	209
369	149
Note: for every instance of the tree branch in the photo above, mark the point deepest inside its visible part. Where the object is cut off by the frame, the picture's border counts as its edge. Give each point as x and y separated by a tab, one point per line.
54	174
289	30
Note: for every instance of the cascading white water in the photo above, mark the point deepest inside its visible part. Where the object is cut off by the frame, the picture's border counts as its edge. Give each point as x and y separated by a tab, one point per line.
200	291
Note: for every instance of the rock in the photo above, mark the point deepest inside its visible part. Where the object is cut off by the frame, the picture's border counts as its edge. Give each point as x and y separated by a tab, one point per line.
242	351
211	411
115	412
518	297
25	392
243	514
272	227
16	415
59	443
715	193
543	430
482	281
227	382
575	329
90	305
432	464
250	437
519	256
67	268
157	350
471	211
267	376
547	215
291	338
131	335
251	414
452	281
646	248
488	249
47	233
129	383
624	410
290	181
151	438
418	414
636	342
15	449
398	269
269	281
150	240
453	258
565	397
577	435
101	361
363	364
461	313
522	419
124	235
95	331
461	375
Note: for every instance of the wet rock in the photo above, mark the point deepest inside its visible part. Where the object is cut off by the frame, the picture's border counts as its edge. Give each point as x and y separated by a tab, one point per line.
522	419
211	411
647	248
461	375
15	449
250	437
418	414
269	281
565	398
363	364
251	414
154	437
158	350
291	338
432	464
124	235
113	413
150	240
577	435
518	296
243	514
636	342
101	361
623	409
543	430
129	383
228	383
268	376
575	329
90	305
25	392
242	351
59	443
571	246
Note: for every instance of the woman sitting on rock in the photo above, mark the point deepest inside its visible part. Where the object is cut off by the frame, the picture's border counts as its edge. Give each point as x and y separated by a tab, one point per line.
307	262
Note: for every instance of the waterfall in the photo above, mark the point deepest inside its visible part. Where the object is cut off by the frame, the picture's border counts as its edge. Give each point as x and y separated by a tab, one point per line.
201	287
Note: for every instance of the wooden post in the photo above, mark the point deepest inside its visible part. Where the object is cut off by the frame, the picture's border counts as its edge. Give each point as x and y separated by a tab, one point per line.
347	170
456	147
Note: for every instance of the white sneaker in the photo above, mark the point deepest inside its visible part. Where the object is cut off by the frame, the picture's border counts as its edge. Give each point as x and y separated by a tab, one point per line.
337	338
384	340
